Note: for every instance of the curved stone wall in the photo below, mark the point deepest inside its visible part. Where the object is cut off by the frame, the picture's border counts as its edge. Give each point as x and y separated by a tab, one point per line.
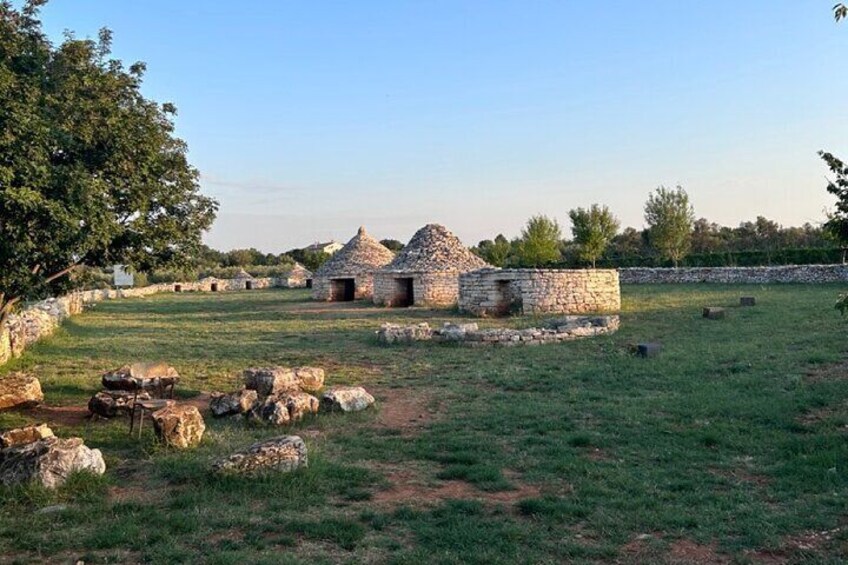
323	288
804	274
502	292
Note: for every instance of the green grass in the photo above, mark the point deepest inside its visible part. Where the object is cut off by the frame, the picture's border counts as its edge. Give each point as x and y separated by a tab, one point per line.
734	438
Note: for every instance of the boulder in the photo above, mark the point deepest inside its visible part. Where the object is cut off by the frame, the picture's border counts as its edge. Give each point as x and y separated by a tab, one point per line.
225	404
27	434
347	399
309	379
300	404
179	426
273	410
281	454
48	461
111	403
267	381
19	389
144	375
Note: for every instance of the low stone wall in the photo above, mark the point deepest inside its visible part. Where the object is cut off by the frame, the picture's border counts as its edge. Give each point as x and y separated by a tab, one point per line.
436	289
501	292
41	319
323	287
568	328
805	274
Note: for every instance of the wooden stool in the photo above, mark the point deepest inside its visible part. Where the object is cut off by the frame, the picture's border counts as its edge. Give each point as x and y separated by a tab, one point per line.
149	406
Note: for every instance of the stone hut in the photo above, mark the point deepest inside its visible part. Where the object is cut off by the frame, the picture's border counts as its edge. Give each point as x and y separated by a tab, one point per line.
349	273
426	271
244	280
296	277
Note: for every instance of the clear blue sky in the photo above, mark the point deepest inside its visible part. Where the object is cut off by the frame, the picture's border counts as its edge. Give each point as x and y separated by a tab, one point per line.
307	119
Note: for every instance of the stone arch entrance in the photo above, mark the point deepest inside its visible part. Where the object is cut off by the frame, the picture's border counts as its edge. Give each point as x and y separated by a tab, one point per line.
343	290
404	294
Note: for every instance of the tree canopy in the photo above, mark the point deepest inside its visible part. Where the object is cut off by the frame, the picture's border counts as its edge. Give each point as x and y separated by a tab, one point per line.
540	242
91	172
593	230
670	217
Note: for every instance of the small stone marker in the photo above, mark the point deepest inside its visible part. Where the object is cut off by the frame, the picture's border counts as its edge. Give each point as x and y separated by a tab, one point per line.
747	301
282	454
648	349
179	426
713	313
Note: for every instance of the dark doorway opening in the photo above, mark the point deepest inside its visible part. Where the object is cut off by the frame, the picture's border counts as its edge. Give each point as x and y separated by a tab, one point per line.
248	285
214	287
343	290
308	283
178	288
508	299
404	293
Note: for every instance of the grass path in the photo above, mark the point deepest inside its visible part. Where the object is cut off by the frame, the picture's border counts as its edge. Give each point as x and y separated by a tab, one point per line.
732	446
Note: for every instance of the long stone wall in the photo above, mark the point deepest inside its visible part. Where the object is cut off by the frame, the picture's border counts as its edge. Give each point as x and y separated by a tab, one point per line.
436	289
501	292
41	319
805	274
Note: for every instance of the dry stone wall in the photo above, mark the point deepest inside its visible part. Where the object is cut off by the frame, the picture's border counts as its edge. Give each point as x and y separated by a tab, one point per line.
804	274
500	292
41	319
436	289
325	289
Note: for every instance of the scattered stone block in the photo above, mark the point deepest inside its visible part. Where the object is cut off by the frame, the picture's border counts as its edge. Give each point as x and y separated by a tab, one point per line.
282	454
48	461
396	333
225	404
272	410
179	426
300	404
347	399
20	390
267	381
747	301
27	434
309	379
111	403
714	313
648	349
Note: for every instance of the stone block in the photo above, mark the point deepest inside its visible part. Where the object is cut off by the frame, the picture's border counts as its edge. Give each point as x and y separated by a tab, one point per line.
268	381
27	434
713	313
283	454
347	399
179	426
225	404
20	390
48	461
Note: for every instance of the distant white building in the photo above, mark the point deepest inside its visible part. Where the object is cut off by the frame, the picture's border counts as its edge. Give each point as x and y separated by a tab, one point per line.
121	277
329	248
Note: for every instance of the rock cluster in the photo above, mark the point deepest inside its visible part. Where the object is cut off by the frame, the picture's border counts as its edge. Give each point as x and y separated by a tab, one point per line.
19	390
397	333
562	329
111	403
282	395
34	454
281	454
500	292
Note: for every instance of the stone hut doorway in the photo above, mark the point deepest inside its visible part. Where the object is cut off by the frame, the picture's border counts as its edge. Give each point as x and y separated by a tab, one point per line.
507	299
248	285
308	283
343	290
404	293
214	287
178	288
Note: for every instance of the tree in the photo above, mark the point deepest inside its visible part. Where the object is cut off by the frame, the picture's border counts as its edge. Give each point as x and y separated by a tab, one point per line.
593	230
670	217
539	244
90	171
840	11
495	252
392	244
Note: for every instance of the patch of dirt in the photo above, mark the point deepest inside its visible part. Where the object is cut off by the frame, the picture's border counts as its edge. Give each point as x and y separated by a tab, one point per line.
411	486
201	401
59	416
824	414
831	372
806	543
688	552
742	476
405	410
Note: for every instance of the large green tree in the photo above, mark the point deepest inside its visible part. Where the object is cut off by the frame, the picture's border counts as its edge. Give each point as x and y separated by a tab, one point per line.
593	230
670	217
91	172
540	241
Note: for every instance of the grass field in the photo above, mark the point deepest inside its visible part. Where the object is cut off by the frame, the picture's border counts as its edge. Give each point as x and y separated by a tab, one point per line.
732	446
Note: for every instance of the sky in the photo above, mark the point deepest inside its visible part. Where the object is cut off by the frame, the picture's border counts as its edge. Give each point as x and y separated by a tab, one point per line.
309	119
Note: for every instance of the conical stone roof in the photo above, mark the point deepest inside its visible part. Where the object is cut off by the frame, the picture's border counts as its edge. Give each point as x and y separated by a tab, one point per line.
362	254
434	248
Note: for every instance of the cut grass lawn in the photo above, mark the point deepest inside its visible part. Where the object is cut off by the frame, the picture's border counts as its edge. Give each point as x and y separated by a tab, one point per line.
731	445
